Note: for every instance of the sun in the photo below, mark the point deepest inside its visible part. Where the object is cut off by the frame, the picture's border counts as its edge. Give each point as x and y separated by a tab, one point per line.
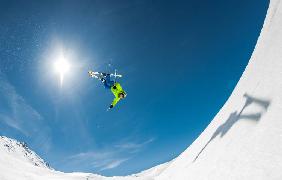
62	66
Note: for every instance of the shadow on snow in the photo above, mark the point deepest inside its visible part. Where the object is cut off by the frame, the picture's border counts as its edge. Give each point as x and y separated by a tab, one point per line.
235	117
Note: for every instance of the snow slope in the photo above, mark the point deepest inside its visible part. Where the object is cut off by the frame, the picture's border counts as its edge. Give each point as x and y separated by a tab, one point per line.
17	161
20	151
243	141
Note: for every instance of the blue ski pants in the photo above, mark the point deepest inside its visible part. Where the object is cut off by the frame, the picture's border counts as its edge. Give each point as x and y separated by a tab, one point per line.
108	83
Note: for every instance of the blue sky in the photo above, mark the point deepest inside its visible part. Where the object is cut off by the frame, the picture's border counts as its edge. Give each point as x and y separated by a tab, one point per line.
180	61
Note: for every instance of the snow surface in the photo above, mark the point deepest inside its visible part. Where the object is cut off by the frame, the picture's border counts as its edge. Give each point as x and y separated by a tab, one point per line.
18	162
243	141
20	151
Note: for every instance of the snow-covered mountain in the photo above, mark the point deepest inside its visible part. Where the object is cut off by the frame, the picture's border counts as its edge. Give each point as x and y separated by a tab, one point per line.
20	151
243	141
17	161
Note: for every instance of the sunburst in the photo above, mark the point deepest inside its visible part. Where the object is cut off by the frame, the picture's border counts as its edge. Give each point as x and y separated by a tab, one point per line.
62	66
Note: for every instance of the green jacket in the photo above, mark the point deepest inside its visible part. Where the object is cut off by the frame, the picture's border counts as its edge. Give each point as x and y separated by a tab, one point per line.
116	90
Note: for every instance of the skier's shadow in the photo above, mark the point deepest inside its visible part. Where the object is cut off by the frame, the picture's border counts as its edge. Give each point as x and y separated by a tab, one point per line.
235	117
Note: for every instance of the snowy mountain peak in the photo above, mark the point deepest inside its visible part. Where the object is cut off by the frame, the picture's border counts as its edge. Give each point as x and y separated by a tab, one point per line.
21	151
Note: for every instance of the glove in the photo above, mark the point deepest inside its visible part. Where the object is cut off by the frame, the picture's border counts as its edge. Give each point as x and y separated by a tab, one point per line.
111	106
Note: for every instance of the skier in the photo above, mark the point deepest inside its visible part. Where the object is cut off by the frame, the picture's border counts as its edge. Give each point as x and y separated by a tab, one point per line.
114	86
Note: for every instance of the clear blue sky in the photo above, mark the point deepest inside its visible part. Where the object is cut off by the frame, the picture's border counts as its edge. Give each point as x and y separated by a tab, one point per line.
180	61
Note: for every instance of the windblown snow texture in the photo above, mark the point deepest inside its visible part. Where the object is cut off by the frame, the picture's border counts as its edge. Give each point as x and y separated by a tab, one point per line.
243	141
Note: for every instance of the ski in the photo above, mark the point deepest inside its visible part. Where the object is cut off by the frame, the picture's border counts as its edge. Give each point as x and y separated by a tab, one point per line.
98	75
94	74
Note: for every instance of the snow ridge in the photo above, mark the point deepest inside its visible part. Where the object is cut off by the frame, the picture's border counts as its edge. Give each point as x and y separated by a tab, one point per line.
21	151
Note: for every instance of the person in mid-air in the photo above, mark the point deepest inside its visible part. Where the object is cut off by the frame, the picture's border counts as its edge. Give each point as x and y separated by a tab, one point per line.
115	87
